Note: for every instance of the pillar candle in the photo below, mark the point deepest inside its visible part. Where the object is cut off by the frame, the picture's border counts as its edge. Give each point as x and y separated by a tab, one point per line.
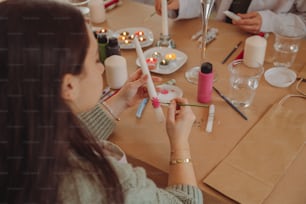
165	17
97	11
150	85
254	51
116	71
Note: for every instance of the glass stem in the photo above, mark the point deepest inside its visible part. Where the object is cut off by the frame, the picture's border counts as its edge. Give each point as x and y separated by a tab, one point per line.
203	44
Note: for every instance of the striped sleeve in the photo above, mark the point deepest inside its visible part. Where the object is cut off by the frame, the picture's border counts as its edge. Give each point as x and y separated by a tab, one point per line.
98	122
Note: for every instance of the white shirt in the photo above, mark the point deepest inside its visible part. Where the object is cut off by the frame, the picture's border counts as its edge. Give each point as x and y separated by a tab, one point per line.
272	11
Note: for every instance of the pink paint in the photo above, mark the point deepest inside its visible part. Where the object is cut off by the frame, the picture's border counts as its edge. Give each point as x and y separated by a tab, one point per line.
155	102
164	91
205	83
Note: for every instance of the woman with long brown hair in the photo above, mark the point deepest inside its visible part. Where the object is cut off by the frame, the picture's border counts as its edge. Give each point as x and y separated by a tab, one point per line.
53	130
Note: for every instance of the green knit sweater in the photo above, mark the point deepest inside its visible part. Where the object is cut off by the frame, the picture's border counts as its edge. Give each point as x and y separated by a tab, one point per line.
137	188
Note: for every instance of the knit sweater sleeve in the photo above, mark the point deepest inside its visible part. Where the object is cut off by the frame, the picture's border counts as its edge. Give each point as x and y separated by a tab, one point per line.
99	123
138	188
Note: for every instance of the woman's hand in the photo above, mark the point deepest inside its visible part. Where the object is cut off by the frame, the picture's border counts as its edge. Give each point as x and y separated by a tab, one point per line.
131	93
249	22
179	123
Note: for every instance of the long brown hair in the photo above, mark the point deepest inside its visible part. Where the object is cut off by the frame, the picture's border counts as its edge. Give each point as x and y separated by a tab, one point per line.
40	42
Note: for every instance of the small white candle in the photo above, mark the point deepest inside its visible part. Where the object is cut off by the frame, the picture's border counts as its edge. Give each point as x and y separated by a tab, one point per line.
165	17
116	71
150	85
254	51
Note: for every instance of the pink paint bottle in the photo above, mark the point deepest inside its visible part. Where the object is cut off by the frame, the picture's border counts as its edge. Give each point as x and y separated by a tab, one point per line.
205	82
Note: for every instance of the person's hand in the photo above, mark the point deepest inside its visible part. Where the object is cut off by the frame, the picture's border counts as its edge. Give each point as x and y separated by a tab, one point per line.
131	92
172	5
134	89
179	122
249	22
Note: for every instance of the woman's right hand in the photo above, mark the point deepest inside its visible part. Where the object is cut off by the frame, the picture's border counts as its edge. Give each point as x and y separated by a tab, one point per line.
179	123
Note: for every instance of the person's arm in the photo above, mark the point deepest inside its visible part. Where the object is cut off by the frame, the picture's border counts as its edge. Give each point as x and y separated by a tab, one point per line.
138	188
264	20
270	19
178	124
98	122
182	184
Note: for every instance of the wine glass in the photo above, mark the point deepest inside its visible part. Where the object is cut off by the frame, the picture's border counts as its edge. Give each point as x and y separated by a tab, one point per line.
192	74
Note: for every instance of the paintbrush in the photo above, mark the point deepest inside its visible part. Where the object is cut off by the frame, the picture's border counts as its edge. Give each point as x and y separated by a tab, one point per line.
188	104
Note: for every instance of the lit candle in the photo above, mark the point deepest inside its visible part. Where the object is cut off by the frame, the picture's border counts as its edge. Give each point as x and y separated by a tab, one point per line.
139	33
141	39
122	38
125	33
254	51
151	62
131	37
164	62
170	56
127	41
103	30
165	17
150	86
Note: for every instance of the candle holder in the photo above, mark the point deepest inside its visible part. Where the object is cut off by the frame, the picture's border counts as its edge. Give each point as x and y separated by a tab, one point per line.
165	41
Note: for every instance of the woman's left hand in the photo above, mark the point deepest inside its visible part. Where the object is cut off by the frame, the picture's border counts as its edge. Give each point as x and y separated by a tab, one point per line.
135	88
132	92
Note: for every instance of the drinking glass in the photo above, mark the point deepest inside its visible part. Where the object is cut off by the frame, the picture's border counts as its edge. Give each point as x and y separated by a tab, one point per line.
192	74
244	81
286	44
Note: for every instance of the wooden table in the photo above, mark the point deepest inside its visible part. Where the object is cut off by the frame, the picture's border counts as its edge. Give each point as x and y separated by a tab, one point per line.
145	140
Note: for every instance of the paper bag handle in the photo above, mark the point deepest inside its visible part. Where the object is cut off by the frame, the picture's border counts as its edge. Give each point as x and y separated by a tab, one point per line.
281	102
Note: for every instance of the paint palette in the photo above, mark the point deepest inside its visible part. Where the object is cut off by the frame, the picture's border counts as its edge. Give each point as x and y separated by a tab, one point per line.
168	92
169	67
126	37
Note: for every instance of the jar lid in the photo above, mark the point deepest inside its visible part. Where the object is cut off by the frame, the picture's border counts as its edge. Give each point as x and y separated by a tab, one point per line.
280	76
112	41
206	67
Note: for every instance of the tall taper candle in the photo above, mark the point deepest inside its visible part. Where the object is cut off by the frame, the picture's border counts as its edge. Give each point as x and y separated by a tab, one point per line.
165	17
150	86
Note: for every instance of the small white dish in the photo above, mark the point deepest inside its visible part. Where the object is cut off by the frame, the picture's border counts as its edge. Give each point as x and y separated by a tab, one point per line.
172	66
280	76
148	35
168	92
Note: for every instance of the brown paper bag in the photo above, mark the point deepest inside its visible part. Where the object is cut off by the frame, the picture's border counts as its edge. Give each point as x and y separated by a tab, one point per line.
250	172
302	73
